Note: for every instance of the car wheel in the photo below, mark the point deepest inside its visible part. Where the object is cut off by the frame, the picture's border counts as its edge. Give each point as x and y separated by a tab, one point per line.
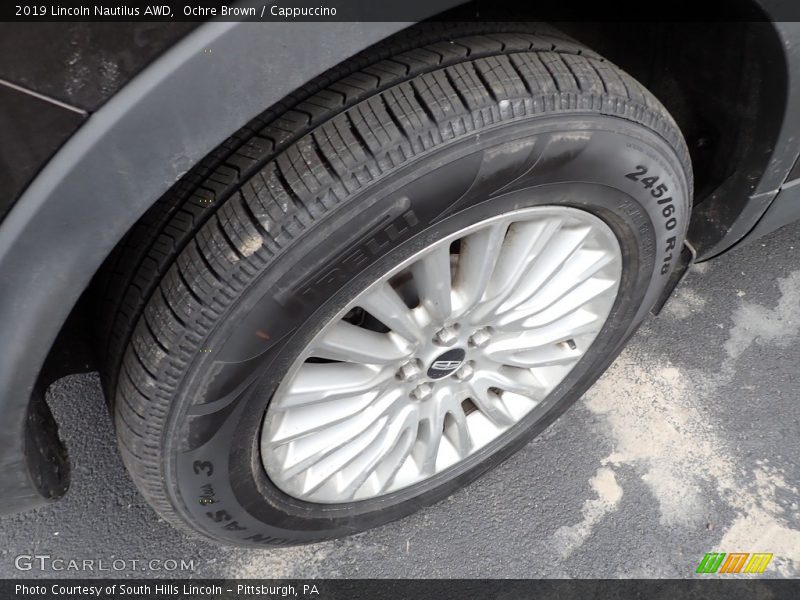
382	288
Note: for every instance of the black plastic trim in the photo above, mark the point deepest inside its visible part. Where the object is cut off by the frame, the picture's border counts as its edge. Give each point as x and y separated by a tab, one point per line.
731	212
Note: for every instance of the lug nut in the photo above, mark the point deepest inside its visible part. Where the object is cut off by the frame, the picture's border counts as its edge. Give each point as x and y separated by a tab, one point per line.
465	371
422	392
480	338
409	371
446	336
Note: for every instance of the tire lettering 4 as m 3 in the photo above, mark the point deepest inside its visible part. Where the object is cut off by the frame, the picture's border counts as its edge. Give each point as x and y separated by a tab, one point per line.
208	497
660	192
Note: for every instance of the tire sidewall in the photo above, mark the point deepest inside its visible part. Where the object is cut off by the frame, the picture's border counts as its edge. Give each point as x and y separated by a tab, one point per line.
212	464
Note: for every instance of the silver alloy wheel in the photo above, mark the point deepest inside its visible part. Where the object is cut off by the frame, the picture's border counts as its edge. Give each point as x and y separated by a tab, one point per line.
442	355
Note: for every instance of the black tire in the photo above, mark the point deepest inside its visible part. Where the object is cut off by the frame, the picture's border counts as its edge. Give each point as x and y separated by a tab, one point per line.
221	284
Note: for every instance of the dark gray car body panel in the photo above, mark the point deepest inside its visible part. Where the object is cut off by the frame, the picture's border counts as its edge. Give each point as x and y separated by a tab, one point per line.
53	75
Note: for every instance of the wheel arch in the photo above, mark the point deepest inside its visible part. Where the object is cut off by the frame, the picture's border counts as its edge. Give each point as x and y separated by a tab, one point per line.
126	156
730	88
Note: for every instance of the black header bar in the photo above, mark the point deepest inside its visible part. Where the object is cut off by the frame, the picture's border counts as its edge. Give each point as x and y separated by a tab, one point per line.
401	10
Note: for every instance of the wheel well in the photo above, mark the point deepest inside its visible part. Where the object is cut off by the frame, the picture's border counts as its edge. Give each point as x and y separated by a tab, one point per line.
726	86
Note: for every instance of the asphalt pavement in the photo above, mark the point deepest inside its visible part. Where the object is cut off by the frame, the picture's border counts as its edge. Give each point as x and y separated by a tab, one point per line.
689	444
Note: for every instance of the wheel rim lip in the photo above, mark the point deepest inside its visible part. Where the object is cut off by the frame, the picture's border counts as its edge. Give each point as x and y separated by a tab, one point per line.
266	445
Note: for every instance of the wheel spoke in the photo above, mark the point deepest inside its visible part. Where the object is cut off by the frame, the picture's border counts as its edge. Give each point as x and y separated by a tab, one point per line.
511	379
432	277
477	258
522	244
386	305
308	450
574	300
302	420
356	473
312	475
457	432
559	354
491	405
386	471
574	323
560	250
429	437
347	342
582	266
317	383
